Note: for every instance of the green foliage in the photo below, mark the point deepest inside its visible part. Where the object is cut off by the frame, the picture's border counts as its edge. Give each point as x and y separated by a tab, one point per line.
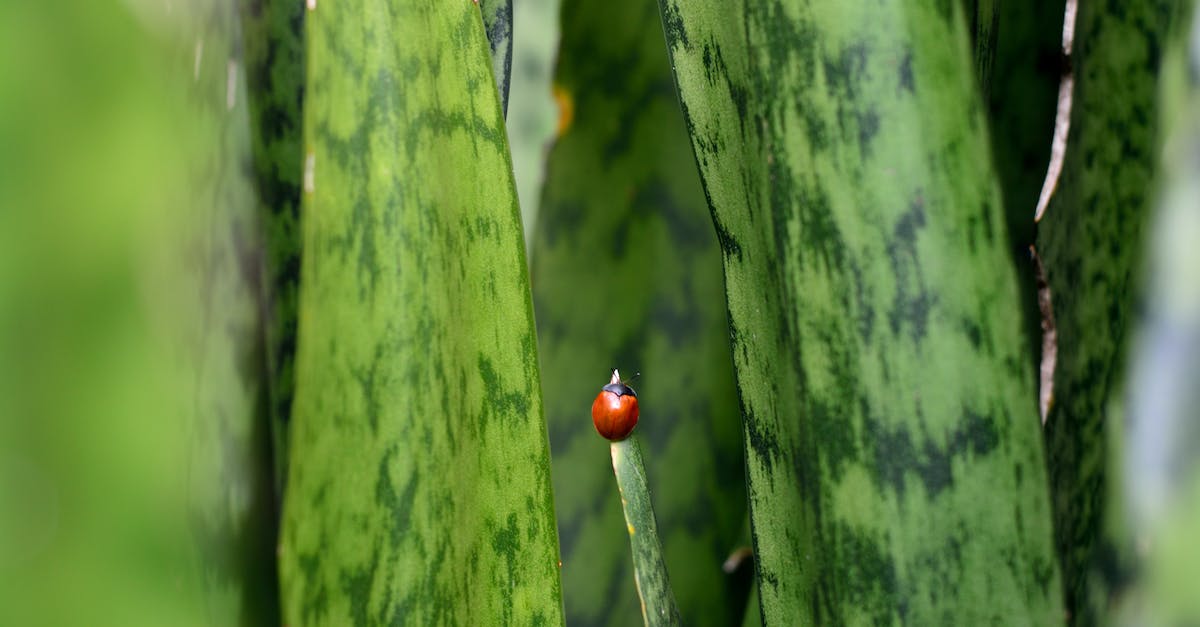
273	36
237	235
419	484
650	569
1160	470
498	20
532	115
1091	243
890	424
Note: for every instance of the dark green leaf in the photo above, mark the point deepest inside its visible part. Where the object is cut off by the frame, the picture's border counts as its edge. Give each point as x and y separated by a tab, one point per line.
894	462
649	566
274	43
1161	463
1091	240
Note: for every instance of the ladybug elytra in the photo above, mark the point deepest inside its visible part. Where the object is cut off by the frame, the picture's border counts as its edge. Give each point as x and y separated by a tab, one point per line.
615	410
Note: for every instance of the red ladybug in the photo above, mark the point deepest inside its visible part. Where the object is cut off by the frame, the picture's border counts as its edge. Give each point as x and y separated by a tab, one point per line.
615	410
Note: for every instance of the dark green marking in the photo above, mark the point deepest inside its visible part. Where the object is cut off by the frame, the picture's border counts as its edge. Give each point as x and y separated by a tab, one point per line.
887	401
627	274
419	483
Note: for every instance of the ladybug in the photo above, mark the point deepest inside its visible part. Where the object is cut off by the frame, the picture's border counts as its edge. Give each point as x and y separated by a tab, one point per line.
615	410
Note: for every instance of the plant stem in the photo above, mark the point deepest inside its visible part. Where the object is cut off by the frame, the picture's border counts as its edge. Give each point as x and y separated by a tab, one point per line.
650	570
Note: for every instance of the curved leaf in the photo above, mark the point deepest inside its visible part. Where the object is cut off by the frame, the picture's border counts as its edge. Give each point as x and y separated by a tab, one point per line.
984	19
419	485
1161	466
1091	242
890	419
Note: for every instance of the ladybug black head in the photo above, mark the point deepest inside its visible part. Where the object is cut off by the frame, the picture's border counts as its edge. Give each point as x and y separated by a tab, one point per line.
620	389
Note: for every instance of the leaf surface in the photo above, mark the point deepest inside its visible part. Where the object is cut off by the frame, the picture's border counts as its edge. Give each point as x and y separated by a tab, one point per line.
1092	242
890	421
419	478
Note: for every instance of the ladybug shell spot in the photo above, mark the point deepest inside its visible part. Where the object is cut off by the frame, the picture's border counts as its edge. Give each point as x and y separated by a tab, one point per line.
614	416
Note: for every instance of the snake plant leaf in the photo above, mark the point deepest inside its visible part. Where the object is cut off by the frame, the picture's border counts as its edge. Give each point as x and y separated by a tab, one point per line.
419	478
626	274
892	439
1091	241
234	518
273	38
134	459
649	567
532	114
498	20
1161	468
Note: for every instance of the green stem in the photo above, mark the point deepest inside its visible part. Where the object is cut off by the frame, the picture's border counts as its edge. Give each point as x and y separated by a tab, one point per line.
650	570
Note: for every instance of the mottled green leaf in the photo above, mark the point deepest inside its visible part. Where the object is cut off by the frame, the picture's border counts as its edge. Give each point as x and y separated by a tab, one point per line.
273	32
497	19
1091	241
895	468
649	565
233	513
418	483
627	274
1161	464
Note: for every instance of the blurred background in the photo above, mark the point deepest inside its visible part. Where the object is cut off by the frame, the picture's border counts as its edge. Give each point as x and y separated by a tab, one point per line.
135	484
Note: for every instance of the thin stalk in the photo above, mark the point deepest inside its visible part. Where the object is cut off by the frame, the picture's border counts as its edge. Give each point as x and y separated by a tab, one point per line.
650	570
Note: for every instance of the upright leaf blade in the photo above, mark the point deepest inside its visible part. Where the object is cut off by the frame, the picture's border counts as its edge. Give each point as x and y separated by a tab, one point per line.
890	418
1091	242
1161	464
498	20
273	37
419	484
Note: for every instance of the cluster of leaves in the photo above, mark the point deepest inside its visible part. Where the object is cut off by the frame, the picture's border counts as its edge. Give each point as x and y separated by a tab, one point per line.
301	306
